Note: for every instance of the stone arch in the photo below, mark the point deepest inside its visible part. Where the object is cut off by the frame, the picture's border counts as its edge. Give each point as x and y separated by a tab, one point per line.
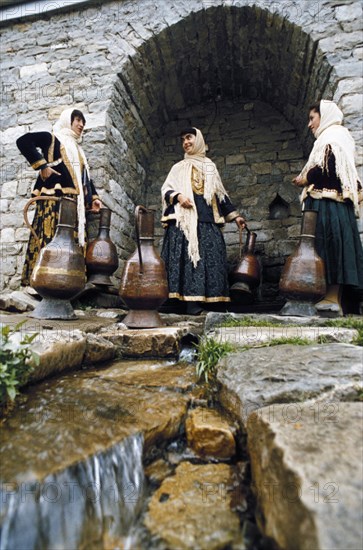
225	65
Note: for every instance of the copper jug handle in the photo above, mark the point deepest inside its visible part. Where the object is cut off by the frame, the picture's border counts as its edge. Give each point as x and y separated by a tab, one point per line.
137	216
25	213
240	239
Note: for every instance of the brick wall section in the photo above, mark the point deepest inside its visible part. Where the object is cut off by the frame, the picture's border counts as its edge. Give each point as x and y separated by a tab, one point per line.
140	68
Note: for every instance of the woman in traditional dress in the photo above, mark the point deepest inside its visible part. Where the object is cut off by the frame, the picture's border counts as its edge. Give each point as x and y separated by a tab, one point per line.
331	186
63	171
195	206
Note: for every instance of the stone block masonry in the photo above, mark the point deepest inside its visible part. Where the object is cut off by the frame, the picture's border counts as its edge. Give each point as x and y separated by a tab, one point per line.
244	71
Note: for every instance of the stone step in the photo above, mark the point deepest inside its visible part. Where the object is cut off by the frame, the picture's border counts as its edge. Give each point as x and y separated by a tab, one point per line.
209	434
306	468
258	377
194	508
257	335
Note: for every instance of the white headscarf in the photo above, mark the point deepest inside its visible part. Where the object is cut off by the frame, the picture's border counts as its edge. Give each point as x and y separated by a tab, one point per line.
73	157
331	133
180	179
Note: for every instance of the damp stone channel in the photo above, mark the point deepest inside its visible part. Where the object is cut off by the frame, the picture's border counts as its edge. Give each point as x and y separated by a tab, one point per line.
114	443
129	454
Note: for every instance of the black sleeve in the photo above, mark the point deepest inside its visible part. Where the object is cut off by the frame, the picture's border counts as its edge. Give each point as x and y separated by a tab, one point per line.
29	145
171	197
324	178
227	209
93	189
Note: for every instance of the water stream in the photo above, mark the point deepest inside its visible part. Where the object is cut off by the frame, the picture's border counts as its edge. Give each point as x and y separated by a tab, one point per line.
84	455
79	506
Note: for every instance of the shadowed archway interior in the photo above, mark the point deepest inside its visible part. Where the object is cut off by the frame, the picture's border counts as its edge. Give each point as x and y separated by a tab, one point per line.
246	78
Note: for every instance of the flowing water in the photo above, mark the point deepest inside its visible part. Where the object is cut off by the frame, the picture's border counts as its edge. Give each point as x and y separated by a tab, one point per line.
85	454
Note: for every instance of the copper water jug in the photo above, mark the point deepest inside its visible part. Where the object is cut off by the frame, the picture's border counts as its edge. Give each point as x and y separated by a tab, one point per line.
59	271
101	256
248	269
144	284
302	280
247	274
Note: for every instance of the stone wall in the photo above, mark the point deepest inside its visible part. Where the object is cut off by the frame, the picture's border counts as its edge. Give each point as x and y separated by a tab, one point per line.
245	71
257	152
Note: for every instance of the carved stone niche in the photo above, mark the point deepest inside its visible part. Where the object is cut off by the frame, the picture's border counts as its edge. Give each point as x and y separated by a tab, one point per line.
279	209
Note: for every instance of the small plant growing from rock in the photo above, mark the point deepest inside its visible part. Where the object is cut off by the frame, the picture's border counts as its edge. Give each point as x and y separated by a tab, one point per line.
16	361
209	352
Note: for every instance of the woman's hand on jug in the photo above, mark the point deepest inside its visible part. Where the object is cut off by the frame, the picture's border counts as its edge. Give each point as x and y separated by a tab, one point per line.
96	205
241	222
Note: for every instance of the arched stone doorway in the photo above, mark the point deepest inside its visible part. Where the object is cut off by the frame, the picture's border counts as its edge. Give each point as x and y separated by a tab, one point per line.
244	76
245	71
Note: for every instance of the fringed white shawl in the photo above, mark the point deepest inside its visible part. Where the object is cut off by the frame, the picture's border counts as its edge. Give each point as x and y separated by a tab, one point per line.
73	159
331	133
179	180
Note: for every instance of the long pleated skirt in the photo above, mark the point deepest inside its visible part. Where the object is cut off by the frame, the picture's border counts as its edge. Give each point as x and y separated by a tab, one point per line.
338	242
208	281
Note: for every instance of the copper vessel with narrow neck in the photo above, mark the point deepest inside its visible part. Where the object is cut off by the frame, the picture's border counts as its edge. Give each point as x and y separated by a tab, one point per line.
144	284
59	271
247	274
101	256
302	280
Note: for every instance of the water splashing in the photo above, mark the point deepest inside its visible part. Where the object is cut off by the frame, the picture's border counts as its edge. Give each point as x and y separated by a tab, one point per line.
96	500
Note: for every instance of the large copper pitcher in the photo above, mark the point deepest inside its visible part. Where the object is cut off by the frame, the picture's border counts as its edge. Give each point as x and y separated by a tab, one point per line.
101	256
59	271
144	284
247	273
302	280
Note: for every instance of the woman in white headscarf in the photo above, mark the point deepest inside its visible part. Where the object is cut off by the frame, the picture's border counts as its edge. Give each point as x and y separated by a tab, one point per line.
331	186
195	206
62	170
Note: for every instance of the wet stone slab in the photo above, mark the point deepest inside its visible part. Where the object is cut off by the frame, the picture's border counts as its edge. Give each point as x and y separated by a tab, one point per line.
209	434
306	466
194	508
166	375
255	378
64	421
156	342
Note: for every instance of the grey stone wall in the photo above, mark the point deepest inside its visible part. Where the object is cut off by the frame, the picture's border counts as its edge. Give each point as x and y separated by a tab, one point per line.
244	70
257	152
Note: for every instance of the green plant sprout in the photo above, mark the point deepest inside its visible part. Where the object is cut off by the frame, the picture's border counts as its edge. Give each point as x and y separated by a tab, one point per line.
209	352
16	361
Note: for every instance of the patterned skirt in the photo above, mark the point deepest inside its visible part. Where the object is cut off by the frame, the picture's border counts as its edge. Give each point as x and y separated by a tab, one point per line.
208	281
337	241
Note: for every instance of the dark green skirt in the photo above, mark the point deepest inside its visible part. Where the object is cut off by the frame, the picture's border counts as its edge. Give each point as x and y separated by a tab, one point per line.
338	242
208	281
